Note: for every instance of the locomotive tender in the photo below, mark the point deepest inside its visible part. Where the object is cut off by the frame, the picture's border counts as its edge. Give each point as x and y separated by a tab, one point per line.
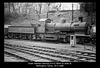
45	29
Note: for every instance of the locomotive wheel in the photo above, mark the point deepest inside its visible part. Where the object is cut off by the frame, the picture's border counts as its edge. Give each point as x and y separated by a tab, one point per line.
29	37
25	36
39	37
32	37
19	36
58	39
61	40
13	36
10	36
67	39
6	36
42	37
22	37
16	36
64	40
81	41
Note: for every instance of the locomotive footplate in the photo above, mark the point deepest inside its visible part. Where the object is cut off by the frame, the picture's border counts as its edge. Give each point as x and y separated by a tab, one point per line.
49	36
52	36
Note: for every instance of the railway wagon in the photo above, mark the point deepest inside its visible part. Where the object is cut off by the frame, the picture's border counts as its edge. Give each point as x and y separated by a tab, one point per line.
6	30
45	29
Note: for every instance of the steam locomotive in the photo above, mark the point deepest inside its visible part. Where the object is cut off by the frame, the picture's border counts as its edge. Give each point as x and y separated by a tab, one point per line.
45	29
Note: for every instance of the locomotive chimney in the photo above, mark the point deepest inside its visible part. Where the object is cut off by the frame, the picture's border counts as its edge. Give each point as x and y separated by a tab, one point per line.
80	19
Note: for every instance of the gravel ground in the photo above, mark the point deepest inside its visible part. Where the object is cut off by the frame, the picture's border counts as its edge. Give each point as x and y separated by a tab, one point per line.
8	58
58	46
52	45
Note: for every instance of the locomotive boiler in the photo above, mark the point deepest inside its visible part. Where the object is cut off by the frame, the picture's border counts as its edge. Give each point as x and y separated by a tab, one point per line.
68	27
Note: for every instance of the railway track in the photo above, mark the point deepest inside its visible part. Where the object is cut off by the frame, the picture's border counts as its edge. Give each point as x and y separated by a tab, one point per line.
28	55
52	54
19	58
49	41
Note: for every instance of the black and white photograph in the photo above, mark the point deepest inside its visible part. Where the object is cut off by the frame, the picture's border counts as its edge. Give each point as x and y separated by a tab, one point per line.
50	32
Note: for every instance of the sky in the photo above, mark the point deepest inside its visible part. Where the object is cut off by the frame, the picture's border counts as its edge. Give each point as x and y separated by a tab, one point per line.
68	6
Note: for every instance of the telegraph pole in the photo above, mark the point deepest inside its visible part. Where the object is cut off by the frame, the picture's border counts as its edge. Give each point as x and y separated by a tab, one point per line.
47	14
72	12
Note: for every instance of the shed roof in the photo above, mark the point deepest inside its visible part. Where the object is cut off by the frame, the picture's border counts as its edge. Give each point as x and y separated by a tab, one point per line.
43	19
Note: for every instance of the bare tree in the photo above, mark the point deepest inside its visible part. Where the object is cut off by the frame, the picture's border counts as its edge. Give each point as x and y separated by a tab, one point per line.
48	8
38	9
